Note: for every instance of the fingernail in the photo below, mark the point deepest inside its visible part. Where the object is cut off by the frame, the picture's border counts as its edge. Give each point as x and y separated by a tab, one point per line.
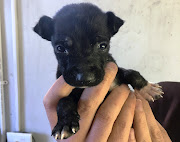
130	87
139	105
152	99
111	66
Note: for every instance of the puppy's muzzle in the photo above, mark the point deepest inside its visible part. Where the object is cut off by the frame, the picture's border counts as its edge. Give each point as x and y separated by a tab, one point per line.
84	77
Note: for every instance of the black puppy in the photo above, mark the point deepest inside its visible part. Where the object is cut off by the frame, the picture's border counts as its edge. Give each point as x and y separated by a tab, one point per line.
80	35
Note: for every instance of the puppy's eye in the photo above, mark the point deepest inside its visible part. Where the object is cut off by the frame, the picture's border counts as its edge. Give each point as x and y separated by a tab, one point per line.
61	49
103	46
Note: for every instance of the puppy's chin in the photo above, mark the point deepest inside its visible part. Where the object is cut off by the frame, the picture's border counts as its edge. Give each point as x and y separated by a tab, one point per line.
82	84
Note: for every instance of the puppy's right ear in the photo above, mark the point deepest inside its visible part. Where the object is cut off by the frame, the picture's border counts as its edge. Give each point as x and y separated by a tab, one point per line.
114	22
45	27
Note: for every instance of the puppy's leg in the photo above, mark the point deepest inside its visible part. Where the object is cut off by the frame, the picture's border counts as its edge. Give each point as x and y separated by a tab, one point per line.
68	117
148	90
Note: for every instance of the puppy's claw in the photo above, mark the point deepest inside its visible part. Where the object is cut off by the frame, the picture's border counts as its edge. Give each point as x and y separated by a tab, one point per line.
158	97
152	92
64	132
162	92
57	136
73	130
152	100
62	136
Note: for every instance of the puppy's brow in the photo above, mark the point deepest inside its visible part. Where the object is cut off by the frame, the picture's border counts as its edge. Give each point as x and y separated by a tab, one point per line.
63	40
102	37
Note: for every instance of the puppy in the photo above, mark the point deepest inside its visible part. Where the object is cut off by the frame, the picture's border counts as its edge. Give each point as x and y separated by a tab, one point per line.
80	35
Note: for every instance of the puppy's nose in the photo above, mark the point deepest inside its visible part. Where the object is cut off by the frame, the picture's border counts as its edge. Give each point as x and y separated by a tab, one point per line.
85	77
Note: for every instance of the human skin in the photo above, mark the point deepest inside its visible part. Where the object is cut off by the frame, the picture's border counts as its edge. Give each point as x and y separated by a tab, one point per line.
110	119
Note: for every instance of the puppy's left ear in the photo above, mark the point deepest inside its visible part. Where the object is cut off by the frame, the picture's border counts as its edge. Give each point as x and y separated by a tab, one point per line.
45	27
114	22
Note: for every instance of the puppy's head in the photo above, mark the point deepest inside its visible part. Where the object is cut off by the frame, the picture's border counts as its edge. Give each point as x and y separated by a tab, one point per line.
80	35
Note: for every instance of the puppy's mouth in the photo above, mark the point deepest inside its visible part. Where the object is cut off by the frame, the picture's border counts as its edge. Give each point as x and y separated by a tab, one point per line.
82	84
83	80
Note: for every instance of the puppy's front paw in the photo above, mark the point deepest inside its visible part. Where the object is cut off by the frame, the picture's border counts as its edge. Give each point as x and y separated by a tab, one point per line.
151	92
66	127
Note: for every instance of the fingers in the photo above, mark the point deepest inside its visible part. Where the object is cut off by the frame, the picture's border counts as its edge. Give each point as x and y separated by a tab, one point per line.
140	124
58	90
155	131
90	101
107	114
123	124
132	136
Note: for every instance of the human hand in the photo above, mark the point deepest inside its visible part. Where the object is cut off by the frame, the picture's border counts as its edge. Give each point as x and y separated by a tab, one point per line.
101	124
111	122
145	126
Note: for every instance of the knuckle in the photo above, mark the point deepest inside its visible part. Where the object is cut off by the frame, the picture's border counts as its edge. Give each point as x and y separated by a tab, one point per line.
122	125
103	117
45	102
157	135
85	106
130	109
48	104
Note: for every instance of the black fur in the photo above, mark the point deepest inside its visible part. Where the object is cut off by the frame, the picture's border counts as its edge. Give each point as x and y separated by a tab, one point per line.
80	35
45	27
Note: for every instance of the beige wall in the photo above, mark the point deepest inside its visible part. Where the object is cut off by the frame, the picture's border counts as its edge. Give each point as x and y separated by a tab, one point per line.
149	42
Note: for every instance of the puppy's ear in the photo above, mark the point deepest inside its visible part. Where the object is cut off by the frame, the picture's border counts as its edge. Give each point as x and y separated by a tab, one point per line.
114	22
44	27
